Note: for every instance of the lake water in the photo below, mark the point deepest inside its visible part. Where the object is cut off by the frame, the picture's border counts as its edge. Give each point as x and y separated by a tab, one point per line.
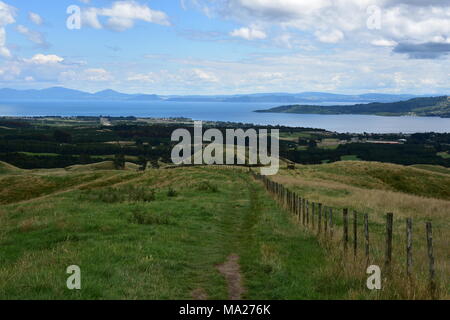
226	111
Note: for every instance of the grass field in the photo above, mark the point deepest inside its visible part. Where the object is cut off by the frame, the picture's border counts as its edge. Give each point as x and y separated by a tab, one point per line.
169	234
351	157
167	248
438	169
444	155
376	189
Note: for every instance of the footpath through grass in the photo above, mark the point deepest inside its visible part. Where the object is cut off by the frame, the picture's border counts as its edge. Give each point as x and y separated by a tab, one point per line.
164	242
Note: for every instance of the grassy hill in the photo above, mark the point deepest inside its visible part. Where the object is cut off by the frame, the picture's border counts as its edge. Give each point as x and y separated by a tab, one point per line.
429	107
376	189
7	168
154	235
173	233
439	169
104	165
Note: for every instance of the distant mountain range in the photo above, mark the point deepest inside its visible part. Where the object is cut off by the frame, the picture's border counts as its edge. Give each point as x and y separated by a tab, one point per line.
60	93
425	106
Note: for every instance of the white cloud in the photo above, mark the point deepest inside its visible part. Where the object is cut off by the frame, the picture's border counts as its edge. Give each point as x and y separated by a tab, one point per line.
90	18
35	18
34	36
384	43
249	33
198	74
331	21
45	59
52	70
355	71
97	74
7	14
332	36
149	78
122	16
92	75
185	77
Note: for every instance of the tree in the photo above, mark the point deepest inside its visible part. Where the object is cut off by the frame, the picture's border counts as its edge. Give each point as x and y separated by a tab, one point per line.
302	142
119	162
312	144
85	158
143	162
62	136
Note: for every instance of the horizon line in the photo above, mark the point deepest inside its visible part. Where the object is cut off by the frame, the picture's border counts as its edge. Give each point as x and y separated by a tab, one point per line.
233	94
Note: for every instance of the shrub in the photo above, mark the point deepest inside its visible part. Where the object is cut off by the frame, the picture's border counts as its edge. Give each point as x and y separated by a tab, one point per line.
171	193
207	186
142	216
121	194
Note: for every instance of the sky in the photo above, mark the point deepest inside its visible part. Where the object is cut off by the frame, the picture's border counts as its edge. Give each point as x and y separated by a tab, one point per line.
227	46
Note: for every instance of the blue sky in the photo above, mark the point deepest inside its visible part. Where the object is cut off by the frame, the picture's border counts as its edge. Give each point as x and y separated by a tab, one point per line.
227	46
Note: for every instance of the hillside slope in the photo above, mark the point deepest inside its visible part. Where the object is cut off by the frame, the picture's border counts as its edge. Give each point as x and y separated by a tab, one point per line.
8	168
156	235
429	107
163	233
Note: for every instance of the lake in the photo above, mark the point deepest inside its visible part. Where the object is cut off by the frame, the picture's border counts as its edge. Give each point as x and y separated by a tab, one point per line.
226	111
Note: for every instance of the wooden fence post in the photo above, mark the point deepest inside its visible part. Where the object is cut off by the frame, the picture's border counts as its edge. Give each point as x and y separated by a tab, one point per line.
366	236
355	233
289	201
293	202
300	203
287	198
431	261
313	210
345	220
319	223
388	255
325	222
294	209
307	213
409	247
304	211
331	223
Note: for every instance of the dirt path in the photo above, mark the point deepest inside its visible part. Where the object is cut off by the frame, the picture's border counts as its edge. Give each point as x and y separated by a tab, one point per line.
232	273
241	237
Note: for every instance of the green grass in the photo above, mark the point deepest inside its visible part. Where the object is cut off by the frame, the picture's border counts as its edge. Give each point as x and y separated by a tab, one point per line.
432	168
162	248
296	135
105	165
416	192
375	175
350	158
329	147
40	154
444	155
14	188
7	168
